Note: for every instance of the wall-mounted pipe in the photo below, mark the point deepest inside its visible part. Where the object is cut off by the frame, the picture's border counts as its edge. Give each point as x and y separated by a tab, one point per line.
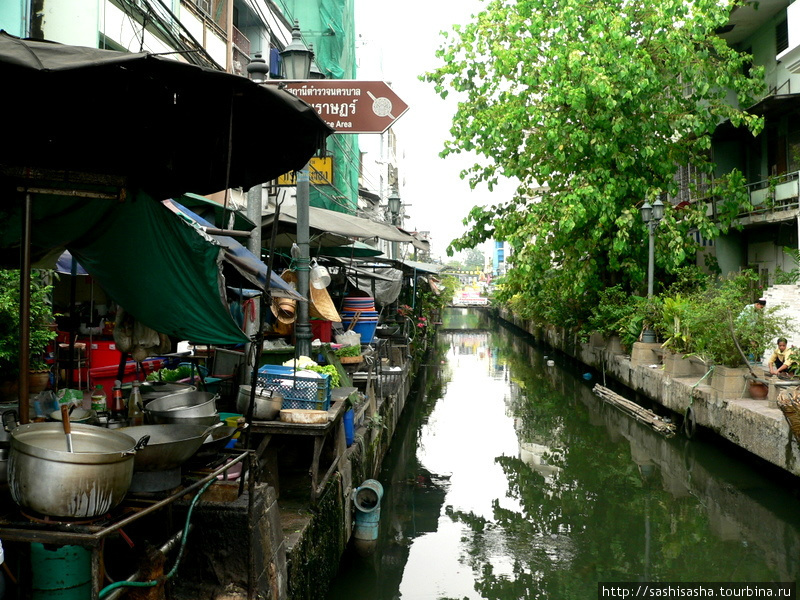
367	500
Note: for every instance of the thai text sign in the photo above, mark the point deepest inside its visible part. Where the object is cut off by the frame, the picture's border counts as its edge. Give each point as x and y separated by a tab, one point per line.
351	106
320	172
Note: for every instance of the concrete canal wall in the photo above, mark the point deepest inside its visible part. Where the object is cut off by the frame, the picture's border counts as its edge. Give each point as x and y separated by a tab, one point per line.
719	400
265	546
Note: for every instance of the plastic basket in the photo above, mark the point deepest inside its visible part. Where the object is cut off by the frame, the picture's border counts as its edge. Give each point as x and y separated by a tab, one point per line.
310	393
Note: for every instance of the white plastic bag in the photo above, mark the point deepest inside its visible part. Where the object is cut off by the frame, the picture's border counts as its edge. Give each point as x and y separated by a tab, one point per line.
349	338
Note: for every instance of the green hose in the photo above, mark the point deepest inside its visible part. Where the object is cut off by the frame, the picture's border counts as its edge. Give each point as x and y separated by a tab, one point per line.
119	584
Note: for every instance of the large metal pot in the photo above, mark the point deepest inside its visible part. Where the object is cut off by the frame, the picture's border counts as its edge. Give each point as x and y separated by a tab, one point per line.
186	404
156	389
44	477
170	445
266	407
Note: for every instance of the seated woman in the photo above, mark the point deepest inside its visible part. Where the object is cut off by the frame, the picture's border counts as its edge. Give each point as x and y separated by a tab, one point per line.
781	359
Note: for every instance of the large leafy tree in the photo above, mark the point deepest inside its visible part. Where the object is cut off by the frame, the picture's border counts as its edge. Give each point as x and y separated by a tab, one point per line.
591	105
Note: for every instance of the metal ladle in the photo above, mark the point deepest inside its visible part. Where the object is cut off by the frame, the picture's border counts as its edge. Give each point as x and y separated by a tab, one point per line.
67	426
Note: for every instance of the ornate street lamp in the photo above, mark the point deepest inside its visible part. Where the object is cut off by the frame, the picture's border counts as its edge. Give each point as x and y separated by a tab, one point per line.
395	205
651	216
296	64
296	57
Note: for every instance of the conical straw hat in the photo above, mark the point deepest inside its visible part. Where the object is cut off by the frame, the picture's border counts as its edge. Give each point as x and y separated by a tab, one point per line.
321	306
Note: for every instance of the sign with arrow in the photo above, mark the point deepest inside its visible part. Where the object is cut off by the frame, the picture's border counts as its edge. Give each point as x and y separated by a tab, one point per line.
350	106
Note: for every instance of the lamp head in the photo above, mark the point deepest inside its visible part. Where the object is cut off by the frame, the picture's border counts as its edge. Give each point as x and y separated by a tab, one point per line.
394	202
658	210
647	211
296	57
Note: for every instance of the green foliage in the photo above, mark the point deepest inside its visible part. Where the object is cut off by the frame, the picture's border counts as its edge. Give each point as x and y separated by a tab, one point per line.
674	322
619	313
41	316
591	117
716	315
789	277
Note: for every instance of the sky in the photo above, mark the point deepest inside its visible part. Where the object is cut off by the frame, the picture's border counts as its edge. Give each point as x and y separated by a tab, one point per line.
397	42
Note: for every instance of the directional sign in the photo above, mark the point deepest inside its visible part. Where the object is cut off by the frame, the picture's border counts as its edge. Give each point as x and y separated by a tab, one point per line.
351	106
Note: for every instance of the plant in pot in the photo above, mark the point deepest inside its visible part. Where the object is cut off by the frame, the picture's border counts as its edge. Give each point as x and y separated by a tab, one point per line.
41	330
720	335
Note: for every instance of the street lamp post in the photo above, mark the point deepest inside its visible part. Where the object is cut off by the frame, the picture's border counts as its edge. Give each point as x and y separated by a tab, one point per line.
651	216
296	64
394	209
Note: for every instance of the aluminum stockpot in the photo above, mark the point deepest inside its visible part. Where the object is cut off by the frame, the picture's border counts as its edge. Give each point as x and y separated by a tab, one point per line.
88	482
184	404
267	406
170	445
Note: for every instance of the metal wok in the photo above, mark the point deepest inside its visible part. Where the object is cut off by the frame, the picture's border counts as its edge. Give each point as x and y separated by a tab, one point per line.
170	444
182	406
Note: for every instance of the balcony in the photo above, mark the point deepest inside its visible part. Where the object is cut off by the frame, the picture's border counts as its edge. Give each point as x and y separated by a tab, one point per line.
778	193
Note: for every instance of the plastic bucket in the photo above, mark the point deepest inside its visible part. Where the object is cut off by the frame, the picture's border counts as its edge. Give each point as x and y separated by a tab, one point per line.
365	328
349	429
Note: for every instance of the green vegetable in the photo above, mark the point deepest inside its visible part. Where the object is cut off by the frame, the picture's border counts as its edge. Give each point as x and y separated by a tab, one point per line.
348	351
329	370
170	374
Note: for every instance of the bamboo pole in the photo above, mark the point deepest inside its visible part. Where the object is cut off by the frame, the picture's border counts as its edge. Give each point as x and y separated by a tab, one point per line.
641	414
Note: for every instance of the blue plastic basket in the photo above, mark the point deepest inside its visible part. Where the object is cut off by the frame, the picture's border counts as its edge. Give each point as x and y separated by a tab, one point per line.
311	393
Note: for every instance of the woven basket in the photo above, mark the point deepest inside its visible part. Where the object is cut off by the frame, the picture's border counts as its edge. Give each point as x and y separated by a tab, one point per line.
789	403
351	359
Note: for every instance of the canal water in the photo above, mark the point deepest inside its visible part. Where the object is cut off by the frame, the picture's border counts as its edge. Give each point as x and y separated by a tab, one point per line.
509	479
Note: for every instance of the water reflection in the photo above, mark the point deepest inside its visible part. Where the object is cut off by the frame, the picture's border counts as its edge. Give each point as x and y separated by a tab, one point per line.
510	479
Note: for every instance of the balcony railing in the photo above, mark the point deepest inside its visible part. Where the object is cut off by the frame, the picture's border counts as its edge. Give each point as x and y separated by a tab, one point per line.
781	192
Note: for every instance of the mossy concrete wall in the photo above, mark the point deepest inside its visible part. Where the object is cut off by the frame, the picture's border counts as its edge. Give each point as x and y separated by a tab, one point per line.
756	425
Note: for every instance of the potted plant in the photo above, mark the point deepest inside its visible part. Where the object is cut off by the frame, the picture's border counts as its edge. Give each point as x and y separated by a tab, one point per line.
717	331
41	330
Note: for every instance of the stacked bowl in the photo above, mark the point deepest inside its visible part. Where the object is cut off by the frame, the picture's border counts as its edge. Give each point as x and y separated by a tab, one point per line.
359	314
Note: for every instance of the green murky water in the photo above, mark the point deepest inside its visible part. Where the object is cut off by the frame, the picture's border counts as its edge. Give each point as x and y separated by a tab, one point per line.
509	479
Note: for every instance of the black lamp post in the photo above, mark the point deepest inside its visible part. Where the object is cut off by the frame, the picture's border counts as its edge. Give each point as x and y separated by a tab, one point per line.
296	64
651	216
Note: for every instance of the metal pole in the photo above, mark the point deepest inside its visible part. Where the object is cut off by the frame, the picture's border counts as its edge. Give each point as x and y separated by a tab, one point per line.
253	328
651	258
302	327
25	311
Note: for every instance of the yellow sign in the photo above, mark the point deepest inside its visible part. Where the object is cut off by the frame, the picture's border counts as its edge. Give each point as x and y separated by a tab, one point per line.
320	172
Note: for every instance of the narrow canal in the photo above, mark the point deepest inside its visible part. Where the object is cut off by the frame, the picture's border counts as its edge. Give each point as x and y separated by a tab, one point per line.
509	479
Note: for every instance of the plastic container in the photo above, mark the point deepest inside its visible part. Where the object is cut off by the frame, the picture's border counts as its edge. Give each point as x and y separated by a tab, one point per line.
364	327
349	429
99	399
308	393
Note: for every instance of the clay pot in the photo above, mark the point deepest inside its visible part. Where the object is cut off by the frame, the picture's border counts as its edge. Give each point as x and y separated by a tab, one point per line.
758	390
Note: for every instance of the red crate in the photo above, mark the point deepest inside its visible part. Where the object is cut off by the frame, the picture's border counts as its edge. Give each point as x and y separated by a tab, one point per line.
106	376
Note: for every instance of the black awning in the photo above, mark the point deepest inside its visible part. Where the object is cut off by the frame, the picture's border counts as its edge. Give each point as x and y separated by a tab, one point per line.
167	127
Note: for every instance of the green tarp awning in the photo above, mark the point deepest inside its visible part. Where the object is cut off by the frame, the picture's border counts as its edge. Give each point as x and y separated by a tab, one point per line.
163	273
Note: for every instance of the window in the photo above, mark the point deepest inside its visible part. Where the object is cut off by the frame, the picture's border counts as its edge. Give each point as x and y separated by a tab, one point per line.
781	37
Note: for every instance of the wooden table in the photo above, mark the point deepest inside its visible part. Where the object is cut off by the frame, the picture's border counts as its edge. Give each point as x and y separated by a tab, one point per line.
318	432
